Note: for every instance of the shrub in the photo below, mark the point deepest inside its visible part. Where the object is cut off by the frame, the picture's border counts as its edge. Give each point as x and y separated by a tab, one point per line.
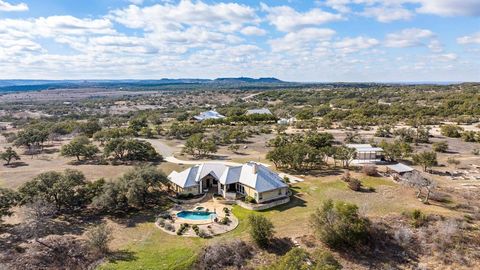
370	170
249	199
296	258
441	147
182	228
325	261
99	237
161	222
202	234
417	218
230	255
169	227
453	161
224	221
355	184
261	229
452	131
339	225
195	229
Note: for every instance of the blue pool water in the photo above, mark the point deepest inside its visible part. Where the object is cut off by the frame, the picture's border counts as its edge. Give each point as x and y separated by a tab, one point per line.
200	215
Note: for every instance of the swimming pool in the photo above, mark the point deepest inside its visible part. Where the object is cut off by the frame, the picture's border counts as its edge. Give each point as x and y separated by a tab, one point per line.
196	215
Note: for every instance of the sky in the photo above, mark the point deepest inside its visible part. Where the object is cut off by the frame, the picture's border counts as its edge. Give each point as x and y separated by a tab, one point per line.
293	40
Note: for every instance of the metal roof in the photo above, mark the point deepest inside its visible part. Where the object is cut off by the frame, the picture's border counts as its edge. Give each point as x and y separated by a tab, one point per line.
364	148
259	111
400	168
251	174
208	115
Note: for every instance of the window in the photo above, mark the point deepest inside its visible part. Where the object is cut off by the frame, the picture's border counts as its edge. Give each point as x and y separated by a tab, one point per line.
260	197
279	192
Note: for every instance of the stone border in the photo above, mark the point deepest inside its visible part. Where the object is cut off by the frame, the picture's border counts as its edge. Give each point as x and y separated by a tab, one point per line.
254	207
190	233
263	206
192	201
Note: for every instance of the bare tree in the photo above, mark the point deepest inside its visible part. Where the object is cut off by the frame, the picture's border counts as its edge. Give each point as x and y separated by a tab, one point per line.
38	217
416	180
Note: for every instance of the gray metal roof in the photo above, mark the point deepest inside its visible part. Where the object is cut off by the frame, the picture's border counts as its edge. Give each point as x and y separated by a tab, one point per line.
364	148
400	168
251	174
259	111
208	115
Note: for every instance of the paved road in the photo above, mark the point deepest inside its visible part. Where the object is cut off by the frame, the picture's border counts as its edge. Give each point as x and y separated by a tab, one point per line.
167	152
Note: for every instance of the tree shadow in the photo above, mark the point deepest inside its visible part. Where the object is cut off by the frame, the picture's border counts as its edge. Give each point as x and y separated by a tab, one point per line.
121	255
280	246
50	150
16	164
382	251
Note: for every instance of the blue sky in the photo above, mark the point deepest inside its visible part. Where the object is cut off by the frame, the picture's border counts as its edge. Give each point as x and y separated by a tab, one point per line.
323	40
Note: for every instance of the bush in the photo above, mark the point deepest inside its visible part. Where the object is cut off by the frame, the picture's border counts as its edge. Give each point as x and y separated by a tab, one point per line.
355	185
452	131
261	229
325	261
99	237
161	222
230	255
370	170
440	147
202	234
249	199
417	218
296	258
339	225
169	227
224	221
182	228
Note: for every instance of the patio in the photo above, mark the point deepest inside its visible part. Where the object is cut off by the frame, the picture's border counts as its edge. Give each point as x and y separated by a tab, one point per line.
220	221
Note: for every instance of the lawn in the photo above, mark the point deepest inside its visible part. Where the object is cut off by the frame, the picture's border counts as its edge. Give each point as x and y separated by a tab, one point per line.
147	247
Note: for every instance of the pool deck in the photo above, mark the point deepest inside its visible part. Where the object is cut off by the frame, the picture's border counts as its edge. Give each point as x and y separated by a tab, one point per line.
211	227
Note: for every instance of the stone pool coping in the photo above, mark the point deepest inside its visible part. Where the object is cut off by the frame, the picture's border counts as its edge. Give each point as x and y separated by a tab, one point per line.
211	227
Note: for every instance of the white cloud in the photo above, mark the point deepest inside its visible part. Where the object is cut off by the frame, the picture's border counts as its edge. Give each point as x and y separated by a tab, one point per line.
412	37
403	9
228	16
387	14
303	41
5	6
287	19
253	31
186	38
472	39
351	45
339	5
450	7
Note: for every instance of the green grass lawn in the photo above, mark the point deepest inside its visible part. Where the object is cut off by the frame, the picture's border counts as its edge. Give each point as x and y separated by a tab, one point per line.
151	248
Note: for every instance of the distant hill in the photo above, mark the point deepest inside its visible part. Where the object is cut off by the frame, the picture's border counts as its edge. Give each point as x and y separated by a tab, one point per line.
248	80
165	83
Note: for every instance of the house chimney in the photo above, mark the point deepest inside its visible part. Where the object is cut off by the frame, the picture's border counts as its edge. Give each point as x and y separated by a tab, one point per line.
254	167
